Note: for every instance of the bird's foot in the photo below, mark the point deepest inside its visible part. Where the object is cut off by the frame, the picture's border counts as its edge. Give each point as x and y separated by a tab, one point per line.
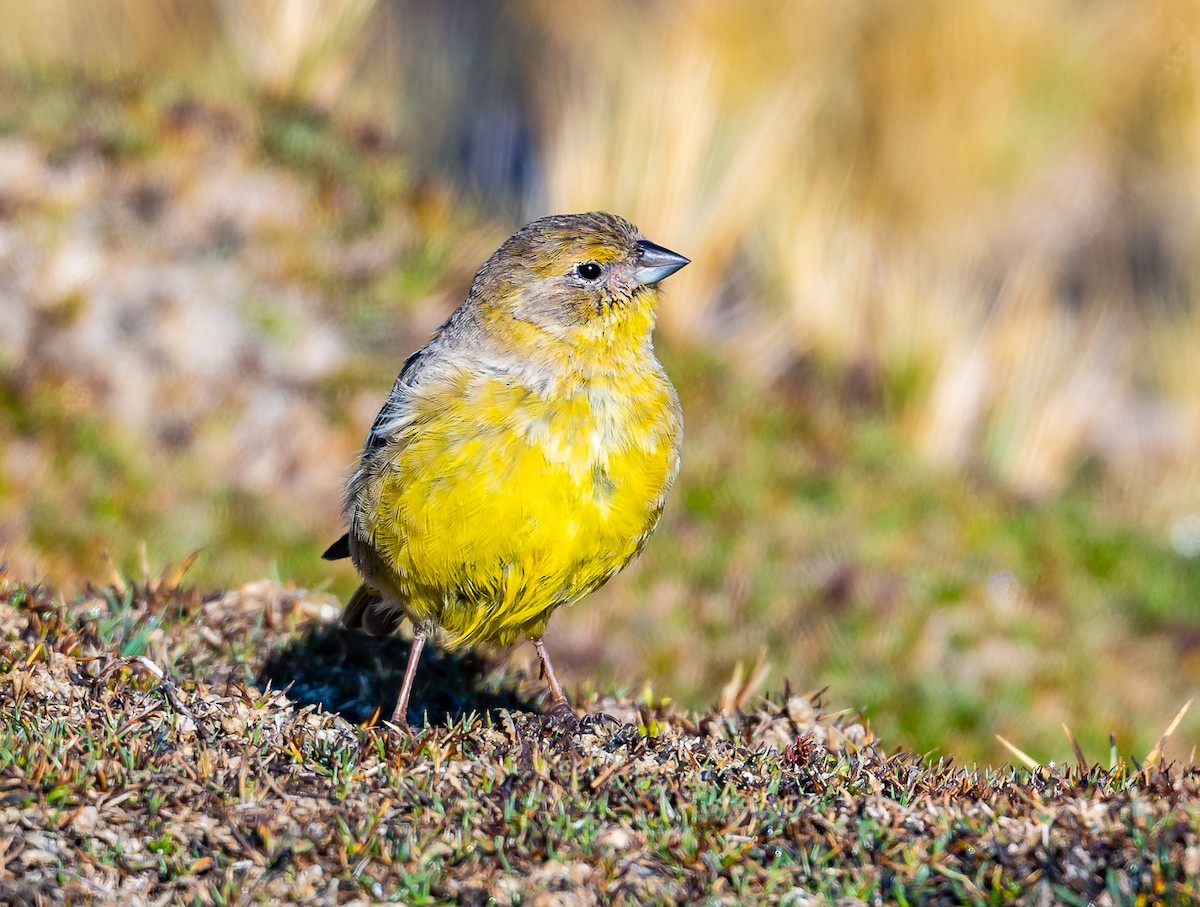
592	723
562	714
395	734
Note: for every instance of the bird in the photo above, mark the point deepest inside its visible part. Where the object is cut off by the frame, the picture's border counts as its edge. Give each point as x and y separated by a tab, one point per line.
524	454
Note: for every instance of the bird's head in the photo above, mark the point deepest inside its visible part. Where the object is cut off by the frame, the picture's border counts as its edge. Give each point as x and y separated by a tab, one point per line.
576	277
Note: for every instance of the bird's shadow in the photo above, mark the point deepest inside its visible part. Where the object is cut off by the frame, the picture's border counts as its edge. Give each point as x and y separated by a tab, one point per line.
356	675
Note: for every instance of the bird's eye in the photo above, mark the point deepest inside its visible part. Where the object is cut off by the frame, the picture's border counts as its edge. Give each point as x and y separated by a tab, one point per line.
589	270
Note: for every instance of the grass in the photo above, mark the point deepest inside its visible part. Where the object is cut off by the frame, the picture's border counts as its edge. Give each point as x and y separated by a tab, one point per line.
139	757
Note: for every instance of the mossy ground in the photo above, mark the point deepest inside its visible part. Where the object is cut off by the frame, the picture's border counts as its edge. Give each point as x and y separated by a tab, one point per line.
157	747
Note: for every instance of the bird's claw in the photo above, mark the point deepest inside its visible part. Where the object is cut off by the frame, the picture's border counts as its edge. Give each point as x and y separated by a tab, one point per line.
395	734
562	714
592	723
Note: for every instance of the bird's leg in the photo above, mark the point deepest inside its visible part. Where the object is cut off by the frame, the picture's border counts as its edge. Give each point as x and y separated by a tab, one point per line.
560	709
400	715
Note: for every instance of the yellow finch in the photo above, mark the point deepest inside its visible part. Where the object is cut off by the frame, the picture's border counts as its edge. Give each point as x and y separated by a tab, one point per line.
524	455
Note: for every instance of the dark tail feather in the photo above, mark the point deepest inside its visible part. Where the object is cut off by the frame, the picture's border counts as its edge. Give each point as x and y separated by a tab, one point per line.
356	608
339	549
363	613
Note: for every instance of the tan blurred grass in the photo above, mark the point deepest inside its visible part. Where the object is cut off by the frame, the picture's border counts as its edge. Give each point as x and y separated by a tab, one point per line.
985	210
949	196
107	37
956	200
304	48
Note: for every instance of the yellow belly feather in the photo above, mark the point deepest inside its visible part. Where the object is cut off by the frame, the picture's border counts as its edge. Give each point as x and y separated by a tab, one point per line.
502	503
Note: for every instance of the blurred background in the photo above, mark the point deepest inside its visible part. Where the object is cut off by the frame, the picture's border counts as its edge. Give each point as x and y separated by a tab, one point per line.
938	352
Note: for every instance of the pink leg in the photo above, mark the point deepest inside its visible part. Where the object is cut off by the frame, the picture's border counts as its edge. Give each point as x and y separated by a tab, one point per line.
400	715
560	709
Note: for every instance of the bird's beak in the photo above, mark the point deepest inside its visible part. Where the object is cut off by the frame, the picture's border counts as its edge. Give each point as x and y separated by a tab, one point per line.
654	262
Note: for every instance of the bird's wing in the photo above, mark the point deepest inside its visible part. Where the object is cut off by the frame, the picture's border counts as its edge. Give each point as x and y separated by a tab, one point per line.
391	417
395	412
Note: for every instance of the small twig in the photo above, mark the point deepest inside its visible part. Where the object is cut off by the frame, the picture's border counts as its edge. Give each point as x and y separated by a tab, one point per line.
1079	757
171	692
150	666
1156	754
1029	761
172	576
740	688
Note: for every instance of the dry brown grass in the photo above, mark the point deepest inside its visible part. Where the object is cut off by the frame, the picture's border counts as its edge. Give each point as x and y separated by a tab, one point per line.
295	50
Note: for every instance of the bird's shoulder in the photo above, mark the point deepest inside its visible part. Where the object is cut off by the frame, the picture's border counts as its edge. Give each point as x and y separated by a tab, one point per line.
436	368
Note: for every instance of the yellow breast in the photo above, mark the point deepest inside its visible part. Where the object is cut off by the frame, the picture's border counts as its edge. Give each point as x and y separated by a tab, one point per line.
507	497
